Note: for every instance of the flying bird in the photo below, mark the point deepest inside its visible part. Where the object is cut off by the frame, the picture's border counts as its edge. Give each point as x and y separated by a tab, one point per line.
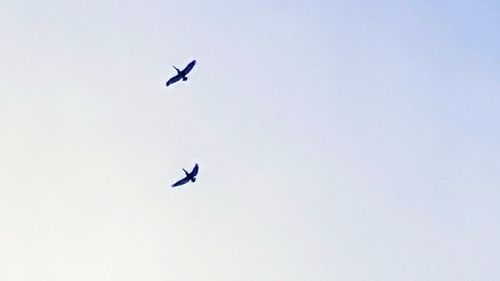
189	177
181	74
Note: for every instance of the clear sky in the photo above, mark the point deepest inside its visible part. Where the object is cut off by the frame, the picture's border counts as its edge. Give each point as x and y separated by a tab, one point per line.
337	140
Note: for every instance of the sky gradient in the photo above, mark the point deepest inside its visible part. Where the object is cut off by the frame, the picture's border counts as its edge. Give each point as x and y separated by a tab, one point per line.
337	140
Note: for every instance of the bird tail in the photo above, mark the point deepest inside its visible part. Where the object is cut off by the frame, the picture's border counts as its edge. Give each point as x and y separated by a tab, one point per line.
187	174
178	71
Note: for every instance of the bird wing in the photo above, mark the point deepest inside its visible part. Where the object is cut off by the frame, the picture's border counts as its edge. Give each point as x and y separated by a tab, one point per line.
174	79
194	172
189	67
181	182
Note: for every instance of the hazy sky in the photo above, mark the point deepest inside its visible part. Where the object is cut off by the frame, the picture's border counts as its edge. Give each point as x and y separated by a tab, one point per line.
353	140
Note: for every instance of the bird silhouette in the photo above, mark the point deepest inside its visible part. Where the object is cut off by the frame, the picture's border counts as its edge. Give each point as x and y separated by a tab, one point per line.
181	74
189	177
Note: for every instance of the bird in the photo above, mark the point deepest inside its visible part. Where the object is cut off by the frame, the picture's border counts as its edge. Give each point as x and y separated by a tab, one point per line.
189	177
181	74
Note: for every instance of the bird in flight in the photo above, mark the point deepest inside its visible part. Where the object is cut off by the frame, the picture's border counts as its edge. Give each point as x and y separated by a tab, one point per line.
181	74
189	177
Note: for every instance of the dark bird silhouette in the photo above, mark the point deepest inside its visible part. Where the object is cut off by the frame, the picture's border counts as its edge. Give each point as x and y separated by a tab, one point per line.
189	177
181	74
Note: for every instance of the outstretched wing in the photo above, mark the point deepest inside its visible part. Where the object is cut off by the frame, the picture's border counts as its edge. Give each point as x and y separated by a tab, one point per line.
189	67
194	172
174	79
181	182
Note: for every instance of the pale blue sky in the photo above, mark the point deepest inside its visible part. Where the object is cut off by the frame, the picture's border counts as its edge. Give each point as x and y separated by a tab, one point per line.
353	140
